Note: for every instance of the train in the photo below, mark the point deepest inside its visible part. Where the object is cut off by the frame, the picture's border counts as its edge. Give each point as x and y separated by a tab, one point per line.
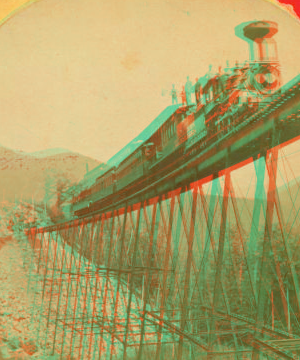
224	99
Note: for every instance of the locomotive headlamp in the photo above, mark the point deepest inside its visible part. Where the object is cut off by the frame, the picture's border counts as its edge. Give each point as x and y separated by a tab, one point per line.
263	79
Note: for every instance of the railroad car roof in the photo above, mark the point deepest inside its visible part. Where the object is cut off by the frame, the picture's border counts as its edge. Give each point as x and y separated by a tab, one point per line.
104	173
143	136
94	173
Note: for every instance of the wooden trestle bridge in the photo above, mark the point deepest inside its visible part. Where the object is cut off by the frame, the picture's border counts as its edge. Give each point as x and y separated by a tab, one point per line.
187	267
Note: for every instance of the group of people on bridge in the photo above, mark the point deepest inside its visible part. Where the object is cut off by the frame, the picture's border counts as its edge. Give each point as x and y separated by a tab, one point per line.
186	92
189	88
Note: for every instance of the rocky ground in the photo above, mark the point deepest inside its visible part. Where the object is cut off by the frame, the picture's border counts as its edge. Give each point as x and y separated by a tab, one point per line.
19	300
17	332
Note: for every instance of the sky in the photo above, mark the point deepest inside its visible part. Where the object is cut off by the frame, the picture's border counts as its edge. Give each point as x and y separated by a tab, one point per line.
89	76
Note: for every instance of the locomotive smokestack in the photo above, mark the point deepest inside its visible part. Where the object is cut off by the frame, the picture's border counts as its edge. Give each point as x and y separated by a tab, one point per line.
259	35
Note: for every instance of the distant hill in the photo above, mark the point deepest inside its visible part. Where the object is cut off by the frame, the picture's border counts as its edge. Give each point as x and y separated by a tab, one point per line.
33	176
49	152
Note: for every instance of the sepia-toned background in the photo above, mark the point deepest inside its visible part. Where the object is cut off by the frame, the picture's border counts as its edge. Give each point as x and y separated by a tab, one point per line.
89	76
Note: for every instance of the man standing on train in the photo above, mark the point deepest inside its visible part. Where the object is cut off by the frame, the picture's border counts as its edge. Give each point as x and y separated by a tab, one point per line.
197	91
188	91
174	95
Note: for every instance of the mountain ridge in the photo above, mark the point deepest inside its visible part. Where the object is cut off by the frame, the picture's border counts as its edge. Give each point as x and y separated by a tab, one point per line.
49	152
37	177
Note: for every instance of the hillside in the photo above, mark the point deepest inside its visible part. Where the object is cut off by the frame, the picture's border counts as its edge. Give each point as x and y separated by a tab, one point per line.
49	152
26	176
289	196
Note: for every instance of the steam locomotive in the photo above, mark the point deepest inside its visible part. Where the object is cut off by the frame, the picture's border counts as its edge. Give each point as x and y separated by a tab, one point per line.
224	100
